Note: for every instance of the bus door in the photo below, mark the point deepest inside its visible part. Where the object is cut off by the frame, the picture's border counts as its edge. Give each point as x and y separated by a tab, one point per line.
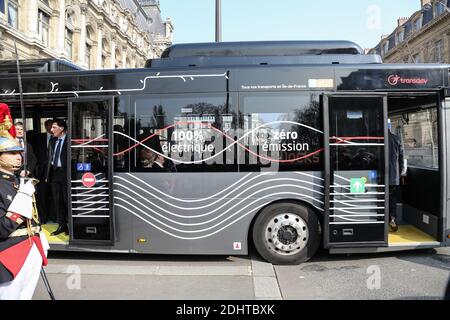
356	170
91	218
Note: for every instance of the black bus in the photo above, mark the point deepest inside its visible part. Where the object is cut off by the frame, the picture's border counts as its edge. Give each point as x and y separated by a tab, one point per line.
217	145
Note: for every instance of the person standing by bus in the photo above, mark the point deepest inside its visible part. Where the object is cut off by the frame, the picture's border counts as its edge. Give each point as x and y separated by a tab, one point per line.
395	169
23	246
31	158
41	146
57	175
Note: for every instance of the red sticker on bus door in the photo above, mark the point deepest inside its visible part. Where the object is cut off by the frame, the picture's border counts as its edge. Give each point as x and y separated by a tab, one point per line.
88	180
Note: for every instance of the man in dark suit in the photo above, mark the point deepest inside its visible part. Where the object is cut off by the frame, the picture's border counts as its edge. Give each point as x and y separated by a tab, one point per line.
41	143
57	174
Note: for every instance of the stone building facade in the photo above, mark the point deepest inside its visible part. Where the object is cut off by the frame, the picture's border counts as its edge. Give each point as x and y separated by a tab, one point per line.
424	37
93	34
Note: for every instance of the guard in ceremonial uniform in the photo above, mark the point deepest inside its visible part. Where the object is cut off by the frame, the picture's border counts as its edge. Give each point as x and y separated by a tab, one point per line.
23	246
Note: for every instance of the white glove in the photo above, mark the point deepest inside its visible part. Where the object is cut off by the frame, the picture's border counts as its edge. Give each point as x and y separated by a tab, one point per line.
23	201
27	188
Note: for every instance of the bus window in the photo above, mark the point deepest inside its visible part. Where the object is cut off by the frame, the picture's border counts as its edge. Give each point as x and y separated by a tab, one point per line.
361	127
419	133
283	130
185	133
121	135
42	124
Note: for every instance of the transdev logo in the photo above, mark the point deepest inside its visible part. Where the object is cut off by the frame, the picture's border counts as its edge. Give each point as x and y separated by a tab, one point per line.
395	79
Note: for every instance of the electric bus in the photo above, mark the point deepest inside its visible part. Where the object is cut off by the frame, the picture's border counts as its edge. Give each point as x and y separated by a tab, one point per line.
216	146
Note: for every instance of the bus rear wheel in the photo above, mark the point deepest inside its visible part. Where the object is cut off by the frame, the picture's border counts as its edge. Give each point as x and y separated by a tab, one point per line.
286	233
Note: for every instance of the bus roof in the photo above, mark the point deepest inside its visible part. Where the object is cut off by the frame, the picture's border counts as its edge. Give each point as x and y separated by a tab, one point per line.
37	65
263	53
261	48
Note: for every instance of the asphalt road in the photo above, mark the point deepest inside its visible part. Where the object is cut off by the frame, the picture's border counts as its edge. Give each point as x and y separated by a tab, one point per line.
401	275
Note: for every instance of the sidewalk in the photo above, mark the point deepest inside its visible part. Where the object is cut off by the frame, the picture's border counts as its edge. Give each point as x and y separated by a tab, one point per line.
161	278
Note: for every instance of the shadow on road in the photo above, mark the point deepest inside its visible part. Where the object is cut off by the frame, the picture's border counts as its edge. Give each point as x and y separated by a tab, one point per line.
86	256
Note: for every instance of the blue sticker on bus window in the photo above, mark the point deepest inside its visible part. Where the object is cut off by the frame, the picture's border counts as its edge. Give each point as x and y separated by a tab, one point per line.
84	166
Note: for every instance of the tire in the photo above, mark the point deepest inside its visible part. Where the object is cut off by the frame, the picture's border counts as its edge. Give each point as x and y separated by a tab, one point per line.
286	233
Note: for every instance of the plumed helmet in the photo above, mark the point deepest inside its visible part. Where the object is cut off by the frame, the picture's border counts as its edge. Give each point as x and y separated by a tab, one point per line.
8	143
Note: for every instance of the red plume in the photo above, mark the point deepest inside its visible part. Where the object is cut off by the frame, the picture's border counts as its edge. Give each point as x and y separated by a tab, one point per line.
12	131
5	111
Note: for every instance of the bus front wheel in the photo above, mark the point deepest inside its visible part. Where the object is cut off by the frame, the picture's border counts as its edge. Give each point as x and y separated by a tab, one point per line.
286	233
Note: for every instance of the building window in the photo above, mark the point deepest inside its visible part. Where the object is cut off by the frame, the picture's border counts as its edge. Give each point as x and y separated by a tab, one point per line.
70	25
439	8
105	54
385	47
438	51
2	6
420	137
69	42
13	14
399	37
88	55
417	24
89	37
43	27
416	58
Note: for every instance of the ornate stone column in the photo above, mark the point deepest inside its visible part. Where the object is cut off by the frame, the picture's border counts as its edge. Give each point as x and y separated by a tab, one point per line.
32	17
61	28
113	51
54	20
82	44
99	44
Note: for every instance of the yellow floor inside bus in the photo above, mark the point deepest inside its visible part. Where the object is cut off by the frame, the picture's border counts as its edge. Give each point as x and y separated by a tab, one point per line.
409	233
61	238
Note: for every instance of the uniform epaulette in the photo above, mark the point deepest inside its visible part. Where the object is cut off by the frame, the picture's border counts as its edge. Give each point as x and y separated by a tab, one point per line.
7	177
17	218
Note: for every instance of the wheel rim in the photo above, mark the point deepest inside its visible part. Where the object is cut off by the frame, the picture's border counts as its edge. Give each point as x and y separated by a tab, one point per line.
286	234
